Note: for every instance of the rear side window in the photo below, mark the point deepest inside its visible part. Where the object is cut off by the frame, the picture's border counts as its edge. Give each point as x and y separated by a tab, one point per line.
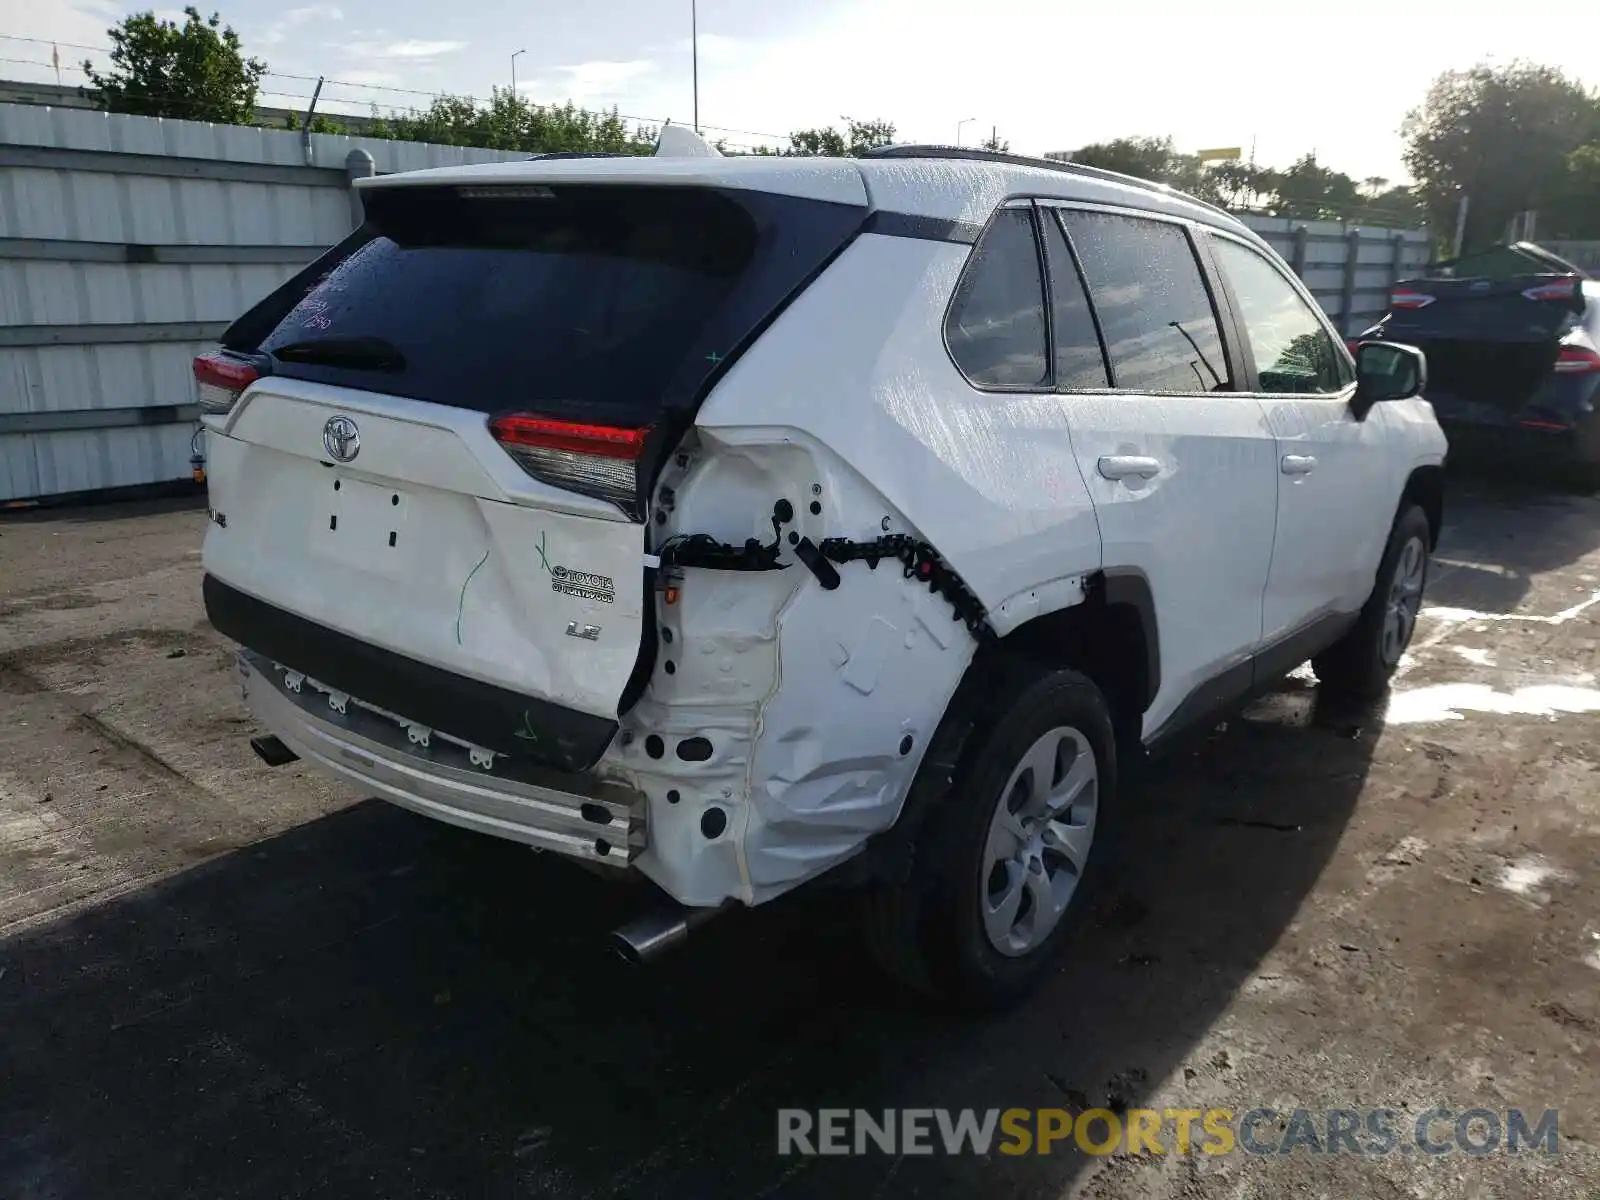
1293	349
1079	362
996	323
585	301
1156	316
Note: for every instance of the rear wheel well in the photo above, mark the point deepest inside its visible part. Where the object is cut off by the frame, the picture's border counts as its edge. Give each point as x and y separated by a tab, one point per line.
1425	489
1109	640
1110	637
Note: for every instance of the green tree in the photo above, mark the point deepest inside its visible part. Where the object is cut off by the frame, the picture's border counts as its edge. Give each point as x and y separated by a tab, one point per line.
1151	158
1501	136
510	122
1306	190
1156	159
857	138
1397	206
826	142
195	71
1313	192
1581	202
996	143
1235	184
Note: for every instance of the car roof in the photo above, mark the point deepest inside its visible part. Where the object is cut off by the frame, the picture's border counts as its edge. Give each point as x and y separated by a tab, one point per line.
967	185
943	183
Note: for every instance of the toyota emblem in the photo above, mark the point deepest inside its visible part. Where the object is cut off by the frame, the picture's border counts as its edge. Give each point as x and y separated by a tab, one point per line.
341	438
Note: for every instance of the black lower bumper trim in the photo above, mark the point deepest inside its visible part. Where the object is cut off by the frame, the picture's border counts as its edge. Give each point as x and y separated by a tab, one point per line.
481	713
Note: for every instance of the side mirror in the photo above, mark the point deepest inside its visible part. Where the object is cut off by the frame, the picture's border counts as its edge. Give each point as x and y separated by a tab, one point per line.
1387	371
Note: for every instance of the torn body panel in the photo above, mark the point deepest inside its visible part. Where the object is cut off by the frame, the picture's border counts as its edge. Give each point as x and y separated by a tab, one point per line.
816	702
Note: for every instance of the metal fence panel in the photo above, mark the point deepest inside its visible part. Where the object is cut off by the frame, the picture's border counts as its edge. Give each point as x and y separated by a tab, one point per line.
1349	269
126	246
1583	255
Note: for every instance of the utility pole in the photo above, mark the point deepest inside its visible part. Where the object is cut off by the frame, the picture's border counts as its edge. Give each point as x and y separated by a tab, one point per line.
305	121
1461	227
514	71
694	55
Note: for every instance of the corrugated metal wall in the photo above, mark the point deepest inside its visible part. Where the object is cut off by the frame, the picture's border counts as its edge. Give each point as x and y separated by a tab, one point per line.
1349	268
127	244
1583	255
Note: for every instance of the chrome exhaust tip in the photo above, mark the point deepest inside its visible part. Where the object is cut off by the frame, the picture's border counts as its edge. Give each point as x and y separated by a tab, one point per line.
646	938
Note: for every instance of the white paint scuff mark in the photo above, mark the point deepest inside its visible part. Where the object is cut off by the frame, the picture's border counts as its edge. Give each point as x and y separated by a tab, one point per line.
1479	658
1447	702
1486	568
1527	876
1406	851
1458	615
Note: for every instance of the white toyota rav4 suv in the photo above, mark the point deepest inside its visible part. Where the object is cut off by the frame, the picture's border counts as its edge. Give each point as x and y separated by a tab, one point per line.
735	521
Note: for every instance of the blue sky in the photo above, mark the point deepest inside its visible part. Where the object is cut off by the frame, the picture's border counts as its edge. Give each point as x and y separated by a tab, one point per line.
1049	75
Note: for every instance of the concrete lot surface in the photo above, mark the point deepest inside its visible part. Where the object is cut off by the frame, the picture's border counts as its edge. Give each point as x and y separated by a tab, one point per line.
218	979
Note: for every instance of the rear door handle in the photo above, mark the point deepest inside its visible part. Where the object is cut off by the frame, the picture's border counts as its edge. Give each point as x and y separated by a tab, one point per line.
1122	466
1299	464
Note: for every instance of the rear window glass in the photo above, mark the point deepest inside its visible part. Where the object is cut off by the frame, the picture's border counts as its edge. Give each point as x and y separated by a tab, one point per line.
585	298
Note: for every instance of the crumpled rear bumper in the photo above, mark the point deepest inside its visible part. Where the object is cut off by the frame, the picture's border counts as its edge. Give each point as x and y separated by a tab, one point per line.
575	815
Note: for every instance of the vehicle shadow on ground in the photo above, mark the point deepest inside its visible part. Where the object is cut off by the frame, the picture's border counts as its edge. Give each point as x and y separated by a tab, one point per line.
1490	553
376	1005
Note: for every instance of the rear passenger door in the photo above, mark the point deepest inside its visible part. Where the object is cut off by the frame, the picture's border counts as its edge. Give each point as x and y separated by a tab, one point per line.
1336	499
1181	466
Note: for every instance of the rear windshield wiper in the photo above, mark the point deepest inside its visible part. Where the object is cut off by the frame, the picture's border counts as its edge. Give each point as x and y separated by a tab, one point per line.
359	353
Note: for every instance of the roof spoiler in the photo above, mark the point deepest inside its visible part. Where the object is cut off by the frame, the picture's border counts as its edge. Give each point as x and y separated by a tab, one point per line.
679	141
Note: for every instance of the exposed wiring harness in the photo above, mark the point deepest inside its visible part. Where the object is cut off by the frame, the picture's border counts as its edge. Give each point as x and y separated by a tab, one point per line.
918	560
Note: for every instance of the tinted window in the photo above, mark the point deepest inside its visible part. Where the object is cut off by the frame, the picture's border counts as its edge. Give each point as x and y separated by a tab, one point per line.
1160	330
1079	363
1294	351
996	325
583	299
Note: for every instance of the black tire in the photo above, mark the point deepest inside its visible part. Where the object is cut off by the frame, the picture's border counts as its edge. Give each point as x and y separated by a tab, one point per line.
1357	665
927	930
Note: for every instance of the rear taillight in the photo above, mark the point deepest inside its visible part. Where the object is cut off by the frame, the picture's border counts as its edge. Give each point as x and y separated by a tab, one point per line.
220	379
1577	360
1560	289
596	460
1406	298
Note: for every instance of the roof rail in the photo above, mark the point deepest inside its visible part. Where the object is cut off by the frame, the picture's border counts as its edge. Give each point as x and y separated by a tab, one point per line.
554	155
1046	164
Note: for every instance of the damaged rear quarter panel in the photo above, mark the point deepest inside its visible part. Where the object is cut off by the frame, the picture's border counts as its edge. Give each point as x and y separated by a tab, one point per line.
809	695
817	703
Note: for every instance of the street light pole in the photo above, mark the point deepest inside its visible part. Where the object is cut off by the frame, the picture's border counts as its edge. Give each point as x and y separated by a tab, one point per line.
514	71
959	124
694	55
